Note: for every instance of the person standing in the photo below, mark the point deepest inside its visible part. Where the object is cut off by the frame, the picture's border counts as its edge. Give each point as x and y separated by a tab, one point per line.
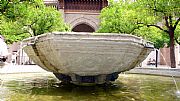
14	58
3	50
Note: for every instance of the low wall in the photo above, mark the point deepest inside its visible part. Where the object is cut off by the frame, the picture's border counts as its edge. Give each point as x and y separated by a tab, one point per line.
156	71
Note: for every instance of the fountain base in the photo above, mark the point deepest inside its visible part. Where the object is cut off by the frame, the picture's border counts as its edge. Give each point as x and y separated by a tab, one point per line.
87	80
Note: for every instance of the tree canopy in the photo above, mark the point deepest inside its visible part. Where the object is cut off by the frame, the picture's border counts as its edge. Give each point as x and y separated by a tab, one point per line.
155	20
23	18
135	18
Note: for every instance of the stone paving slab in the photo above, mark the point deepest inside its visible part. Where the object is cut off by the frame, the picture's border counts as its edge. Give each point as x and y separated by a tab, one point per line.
9	68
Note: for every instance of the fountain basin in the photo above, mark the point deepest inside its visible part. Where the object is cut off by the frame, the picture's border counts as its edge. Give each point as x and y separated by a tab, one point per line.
86	58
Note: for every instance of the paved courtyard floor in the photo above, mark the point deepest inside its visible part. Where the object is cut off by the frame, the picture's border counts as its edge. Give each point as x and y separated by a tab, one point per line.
160	70
152	70
10	68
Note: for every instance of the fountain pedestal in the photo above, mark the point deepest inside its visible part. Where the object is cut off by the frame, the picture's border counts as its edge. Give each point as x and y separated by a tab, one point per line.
79	80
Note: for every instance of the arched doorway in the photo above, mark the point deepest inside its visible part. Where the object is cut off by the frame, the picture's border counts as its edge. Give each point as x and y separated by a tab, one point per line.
83	28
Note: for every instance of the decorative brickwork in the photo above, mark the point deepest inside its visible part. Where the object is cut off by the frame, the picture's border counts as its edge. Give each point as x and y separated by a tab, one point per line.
78	12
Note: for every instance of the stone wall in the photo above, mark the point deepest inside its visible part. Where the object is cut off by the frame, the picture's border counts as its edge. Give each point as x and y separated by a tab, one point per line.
165	56
177	53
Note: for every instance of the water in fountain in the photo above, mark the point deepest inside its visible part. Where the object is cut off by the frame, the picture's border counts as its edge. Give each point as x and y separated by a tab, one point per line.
178	94
3	90
177	89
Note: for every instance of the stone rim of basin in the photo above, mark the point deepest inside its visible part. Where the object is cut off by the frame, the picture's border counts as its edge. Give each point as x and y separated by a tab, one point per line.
120	36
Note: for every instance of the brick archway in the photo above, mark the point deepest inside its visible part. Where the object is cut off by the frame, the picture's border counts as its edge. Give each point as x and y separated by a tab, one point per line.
83	27
86	20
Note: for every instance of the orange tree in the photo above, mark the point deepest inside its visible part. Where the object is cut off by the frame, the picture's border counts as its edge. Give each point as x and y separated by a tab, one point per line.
155	20
23	18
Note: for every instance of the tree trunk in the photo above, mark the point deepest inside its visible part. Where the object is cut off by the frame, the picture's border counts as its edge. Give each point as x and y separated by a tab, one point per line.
172	52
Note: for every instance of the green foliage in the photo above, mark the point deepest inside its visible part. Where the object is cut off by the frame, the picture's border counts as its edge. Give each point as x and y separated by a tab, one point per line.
12	31
154	35
20	19
120	17
161	7
43	19
177	34
134	17
116	18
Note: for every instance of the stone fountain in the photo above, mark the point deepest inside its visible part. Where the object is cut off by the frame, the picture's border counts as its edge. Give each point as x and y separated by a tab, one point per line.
87	58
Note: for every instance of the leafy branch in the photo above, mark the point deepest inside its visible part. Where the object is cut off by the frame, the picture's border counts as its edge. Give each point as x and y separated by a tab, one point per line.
159	28
177	41
176	23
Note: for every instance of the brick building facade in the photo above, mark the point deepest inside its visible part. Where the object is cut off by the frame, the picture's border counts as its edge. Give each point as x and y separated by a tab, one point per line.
82	16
